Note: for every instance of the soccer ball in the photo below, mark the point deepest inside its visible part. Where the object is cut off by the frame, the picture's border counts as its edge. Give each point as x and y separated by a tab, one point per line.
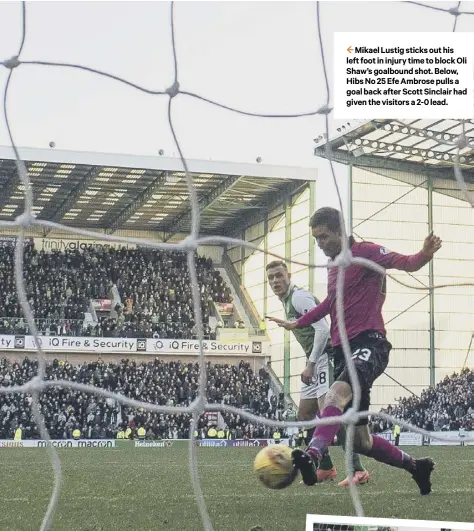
274	467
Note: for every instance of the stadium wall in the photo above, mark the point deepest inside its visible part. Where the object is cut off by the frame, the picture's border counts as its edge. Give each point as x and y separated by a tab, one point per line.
284	232
396	209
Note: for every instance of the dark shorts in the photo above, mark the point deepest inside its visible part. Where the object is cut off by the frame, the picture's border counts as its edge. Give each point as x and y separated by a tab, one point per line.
370	352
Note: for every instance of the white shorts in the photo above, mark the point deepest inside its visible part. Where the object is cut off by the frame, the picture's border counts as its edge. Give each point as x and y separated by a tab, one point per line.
320	385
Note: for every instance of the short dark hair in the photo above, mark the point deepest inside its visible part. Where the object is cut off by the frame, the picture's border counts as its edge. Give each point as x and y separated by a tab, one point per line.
328	217
276	263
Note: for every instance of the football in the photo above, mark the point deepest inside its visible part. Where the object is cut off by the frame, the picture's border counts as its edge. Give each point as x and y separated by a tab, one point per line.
274	467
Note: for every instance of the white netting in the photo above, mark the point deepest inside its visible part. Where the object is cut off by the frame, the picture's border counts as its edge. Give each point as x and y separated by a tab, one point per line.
189	245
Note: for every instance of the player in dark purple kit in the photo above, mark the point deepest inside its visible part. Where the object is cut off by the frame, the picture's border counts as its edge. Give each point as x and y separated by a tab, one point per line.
364	295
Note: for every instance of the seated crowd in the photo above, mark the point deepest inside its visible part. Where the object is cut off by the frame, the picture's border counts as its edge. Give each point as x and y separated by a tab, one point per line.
154	288
448	406
158	382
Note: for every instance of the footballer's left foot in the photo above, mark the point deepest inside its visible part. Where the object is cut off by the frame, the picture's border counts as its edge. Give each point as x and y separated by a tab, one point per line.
326	475
422	474
306	465
360	478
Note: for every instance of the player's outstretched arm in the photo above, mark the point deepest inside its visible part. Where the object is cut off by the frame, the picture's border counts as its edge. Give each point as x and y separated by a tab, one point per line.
410	263
431	245
317	313
287	325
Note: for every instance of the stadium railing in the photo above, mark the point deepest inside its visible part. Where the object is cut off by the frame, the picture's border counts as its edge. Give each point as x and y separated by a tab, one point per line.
245	299
18	325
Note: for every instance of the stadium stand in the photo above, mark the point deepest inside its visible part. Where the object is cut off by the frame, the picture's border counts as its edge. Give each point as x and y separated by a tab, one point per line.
154	286
446	407
157	293
172	383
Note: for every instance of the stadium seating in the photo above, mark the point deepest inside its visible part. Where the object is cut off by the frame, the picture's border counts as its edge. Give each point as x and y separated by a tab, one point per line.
159	382
446	407
154	288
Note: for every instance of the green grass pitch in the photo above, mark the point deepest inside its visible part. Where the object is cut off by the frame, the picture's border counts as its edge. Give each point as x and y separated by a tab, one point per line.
148	489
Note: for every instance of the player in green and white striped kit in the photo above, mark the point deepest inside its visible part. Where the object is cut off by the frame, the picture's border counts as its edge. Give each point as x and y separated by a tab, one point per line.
315	378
